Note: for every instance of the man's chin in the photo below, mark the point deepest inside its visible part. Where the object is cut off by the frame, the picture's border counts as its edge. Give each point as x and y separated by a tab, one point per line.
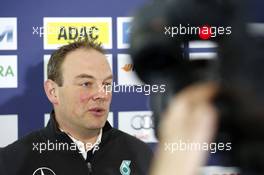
96	126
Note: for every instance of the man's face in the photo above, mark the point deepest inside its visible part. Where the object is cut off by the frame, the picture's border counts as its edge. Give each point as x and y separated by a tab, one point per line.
82	102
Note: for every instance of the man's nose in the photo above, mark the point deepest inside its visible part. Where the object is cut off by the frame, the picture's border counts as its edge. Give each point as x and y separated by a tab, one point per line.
100	92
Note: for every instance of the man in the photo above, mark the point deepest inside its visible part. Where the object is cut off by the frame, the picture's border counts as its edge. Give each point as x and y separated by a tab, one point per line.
78	139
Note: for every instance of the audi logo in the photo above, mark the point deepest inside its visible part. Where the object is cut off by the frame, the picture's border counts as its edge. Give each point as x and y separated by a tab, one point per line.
142	122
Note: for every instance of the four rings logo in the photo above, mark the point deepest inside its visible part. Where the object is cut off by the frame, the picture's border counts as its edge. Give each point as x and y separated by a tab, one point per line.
43	171
142	122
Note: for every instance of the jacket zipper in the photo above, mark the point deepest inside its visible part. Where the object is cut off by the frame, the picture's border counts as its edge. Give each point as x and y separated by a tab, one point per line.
89	165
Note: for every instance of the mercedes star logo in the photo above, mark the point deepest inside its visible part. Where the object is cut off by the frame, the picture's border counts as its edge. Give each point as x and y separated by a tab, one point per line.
43	171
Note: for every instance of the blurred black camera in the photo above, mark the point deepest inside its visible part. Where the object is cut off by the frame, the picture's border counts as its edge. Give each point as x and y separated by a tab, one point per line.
161	33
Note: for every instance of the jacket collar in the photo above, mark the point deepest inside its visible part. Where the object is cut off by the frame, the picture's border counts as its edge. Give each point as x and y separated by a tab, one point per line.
53	132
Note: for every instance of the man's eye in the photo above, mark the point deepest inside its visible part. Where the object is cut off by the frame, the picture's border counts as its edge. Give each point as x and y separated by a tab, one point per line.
86	84
107	84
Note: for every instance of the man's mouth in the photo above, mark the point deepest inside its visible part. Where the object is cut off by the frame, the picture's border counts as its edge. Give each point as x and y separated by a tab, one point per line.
97	111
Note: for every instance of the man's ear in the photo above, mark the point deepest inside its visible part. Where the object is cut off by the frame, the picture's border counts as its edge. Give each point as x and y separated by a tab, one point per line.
51	90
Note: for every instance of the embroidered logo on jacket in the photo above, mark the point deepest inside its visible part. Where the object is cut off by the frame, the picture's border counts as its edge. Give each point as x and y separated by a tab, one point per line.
124	167
43	171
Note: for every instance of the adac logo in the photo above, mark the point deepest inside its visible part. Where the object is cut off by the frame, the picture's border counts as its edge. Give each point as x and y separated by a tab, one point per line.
124	167
128	67
8	33
43	171
61	31
73	33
